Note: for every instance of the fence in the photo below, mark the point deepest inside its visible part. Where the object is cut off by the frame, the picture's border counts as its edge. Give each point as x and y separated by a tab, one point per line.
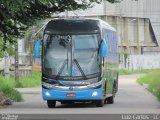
7	66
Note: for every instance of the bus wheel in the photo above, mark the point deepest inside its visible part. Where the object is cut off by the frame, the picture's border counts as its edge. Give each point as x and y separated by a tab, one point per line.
51	103
99	103
63	102
105	101
110	100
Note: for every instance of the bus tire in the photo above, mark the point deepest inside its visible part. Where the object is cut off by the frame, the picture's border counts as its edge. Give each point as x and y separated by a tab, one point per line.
105	100
110	100
51	103
64	102
99	103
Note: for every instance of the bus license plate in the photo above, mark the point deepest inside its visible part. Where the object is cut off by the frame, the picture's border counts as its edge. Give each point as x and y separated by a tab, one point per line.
71	95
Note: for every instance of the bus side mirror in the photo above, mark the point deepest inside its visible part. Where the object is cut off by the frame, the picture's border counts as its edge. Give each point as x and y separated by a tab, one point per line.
36	48
104	49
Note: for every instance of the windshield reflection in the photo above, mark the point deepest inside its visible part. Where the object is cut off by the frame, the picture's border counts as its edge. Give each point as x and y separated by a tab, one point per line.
71	55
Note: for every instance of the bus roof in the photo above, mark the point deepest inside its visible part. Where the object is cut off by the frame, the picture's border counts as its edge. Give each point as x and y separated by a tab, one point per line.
77	26
103	24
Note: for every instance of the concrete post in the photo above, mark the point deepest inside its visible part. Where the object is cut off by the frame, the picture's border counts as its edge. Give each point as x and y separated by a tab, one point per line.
146	31
126	34
138	43
7	65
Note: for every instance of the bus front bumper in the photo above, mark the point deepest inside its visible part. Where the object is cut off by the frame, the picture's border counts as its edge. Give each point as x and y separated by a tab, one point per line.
89	94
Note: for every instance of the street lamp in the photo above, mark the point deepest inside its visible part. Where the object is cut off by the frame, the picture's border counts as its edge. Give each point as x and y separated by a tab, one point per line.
120	17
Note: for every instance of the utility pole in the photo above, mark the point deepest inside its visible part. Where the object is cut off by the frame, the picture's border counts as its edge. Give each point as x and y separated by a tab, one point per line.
6	66
121	23
16	63
138	44
121	30
17	59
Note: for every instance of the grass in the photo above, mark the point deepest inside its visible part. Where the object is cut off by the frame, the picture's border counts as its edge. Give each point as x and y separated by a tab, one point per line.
153	80
129	72
31	81
7	90
8	84
11	93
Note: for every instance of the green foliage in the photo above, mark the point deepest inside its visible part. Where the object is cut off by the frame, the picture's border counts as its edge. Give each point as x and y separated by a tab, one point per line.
8	84
7	89
31	81
9	48
29	38
125	54
11	93
8	81
152	79
112	1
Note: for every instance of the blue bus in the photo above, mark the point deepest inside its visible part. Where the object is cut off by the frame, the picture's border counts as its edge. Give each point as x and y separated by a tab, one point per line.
79	62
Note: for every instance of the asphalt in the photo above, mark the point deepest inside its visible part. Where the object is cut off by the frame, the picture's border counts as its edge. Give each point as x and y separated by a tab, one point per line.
131	98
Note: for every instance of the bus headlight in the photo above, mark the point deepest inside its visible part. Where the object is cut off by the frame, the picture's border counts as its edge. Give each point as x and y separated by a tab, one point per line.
48	94
95	93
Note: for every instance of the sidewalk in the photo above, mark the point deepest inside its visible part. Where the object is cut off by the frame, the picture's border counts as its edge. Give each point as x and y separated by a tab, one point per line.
33	90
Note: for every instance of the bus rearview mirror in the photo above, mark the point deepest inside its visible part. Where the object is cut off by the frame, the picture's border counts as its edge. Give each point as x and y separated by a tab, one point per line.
104	49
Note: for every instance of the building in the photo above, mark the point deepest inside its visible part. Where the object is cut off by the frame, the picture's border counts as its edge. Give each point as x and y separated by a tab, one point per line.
137	23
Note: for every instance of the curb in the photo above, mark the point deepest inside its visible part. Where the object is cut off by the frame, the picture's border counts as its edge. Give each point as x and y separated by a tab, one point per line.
29	91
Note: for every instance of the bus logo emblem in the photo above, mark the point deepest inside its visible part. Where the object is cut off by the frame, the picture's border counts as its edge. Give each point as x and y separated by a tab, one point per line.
70	88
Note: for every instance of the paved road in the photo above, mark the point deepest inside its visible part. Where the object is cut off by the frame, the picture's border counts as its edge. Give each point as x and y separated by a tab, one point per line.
131	98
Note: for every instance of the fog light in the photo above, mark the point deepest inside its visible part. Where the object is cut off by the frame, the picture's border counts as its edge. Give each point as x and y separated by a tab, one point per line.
48	94
95	93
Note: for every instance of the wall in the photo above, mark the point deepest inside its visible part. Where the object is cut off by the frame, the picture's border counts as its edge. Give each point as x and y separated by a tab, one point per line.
141	62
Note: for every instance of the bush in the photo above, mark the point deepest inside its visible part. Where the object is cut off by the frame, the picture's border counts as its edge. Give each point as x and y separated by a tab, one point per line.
8	84
30	81
7	90
11	93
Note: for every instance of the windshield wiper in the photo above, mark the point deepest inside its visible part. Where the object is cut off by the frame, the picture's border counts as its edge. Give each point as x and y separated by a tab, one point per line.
61	69
79	67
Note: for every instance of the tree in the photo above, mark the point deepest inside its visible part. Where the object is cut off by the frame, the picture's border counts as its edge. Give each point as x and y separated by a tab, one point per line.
18	15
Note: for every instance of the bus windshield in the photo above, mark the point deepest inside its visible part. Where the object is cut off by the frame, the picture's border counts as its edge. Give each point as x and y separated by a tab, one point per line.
71	55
